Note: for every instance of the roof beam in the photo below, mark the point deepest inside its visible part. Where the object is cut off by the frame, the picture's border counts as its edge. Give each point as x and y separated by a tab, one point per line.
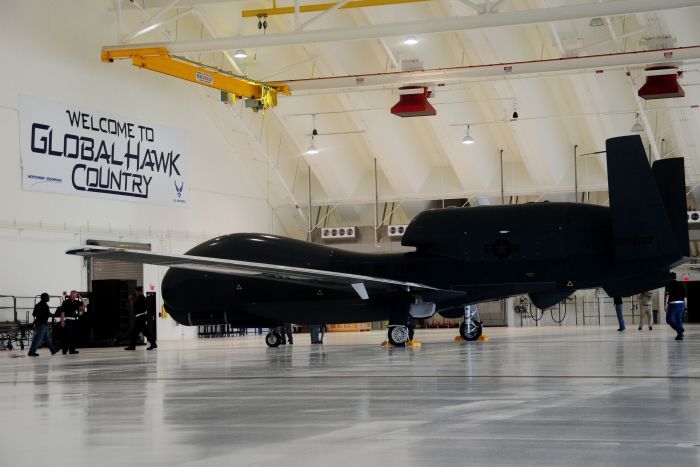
258	146
494	8
492	193
473	6
152	22
494	70
210	29
510	18
323	14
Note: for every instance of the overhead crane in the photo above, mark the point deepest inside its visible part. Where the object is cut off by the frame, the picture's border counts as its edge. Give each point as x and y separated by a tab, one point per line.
343	5
159	59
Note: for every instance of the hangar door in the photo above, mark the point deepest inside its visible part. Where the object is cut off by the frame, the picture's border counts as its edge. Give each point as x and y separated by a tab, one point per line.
110	284
106	269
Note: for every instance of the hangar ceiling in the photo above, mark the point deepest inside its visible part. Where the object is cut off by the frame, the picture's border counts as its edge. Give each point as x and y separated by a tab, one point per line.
421	161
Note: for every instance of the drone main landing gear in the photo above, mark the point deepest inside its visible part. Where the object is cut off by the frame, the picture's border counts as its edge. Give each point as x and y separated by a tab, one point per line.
273	339
399	331
398	335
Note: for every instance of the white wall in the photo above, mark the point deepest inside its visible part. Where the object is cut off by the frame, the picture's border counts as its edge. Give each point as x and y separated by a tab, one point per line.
51	50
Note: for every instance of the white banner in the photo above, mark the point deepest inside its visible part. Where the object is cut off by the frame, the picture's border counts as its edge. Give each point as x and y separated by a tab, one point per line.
77	151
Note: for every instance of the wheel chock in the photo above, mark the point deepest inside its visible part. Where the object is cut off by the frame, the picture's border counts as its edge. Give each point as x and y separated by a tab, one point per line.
413	343
482	338
385	344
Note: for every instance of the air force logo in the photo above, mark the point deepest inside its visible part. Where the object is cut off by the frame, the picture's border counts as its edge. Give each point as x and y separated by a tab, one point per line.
178	189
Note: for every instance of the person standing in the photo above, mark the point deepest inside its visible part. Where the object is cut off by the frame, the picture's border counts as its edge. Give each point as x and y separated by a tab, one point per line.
618	310
645	309
314	331
141	322
675	302
69	322
41	315
285	331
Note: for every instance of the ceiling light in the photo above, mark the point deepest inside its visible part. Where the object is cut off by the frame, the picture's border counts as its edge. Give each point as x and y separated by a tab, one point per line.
312	149
240	53
410	40
637	127
467	137
596	22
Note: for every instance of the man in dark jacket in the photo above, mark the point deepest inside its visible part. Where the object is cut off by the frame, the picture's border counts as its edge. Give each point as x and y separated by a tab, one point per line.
41	315
141	324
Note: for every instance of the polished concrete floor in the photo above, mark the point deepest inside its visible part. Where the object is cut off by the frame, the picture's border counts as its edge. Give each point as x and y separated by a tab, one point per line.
537	396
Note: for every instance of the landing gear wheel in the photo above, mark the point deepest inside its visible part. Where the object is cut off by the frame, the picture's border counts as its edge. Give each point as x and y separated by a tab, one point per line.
398	335
470	330
410	333
273	339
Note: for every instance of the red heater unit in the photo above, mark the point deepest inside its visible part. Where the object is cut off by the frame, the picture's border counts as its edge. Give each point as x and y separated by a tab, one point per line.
663	85
414	103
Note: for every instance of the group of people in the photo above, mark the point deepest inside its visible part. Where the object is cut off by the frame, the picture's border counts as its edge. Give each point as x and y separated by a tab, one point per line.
316	331
675	303
69	312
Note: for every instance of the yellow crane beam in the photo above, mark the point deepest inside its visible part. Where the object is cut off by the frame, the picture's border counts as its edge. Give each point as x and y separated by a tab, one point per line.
275	10
158	59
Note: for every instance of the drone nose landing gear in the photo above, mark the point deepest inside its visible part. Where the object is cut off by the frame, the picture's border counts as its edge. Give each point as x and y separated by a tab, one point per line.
472	327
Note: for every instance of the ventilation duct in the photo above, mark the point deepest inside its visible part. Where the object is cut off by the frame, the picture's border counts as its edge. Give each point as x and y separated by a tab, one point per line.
662	83
413	102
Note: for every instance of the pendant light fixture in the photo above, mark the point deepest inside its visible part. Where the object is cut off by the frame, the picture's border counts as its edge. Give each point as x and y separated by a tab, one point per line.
637	127
312	150
467	137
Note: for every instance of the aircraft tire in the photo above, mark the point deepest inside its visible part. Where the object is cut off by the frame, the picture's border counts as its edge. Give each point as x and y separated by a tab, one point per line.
273	339
398	335
475	333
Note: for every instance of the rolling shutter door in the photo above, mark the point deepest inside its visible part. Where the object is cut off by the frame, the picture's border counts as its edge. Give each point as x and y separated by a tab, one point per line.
102	269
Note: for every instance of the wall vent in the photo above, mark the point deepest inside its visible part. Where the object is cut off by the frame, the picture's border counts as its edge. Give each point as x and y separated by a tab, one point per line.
396	230
334	233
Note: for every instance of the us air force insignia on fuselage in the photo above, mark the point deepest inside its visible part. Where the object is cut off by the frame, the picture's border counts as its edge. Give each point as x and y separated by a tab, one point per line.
502	248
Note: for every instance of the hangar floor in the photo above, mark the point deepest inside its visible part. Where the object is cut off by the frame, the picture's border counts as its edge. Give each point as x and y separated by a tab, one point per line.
537	396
